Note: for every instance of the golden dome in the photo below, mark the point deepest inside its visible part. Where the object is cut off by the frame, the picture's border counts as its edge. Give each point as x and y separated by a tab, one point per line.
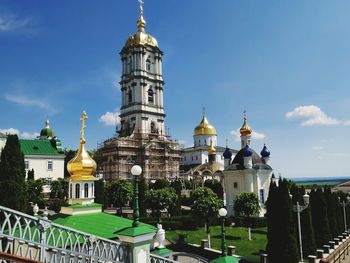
211	149
245	129
204	128
82	167
141	37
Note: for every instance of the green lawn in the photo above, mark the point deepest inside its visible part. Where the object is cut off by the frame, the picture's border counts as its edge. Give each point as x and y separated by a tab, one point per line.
235	236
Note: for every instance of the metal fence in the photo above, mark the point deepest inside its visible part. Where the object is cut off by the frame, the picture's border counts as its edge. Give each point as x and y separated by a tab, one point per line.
340	253
34	238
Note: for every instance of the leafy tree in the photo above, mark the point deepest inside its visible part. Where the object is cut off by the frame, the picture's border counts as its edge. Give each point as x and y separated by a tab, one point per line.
143	187
161	199
119	193
160	184
216	186
177	186
12	176
100	193
35	192
320	217
206	207
282	244
247	205
59	189
30	174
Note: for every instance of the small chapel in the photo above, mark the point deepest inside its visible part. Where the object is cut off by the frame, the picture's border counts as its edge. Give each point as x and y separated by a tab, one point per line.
247	171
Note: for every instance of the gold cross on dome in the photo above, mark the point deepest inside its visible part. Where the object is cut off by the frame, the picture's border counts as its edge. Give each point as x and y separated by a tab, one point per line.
245	114
141	8
83	117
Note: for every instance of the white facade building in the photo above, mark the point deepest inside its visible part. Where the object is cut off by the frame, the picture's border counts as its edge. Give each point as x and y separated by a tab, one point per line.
204	135
44	156
248	172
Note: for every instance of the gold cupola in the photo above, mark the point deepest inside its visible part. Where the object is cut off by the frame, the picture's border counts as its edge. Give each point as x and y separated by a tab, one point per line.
141	37
82	166
211	149
245	129
204	128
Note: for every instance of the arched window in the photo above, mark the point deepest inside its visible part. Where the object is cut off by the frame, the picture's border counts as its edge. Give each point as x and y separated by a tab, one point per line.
86	190
77	191
70	191
150	96
148	65
130	96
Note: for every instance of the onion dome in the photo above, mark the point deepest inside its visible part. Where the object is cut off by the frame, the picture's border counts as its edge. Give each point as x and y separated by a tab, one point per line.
204	128
47	131
245	129
247	151
227	153
265	152
141	37
82	166
211	149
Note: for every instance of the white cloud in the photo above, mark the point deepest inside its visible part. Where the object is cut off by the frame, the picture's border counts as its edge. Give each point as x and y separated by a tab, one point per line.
317	148
22	135
312	115
110	118
25	101
10	23
255	135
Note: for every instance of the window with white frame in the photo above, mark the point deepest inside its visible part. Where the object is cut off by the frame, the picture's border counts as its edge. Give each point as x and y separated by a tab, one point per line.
49	165
26	164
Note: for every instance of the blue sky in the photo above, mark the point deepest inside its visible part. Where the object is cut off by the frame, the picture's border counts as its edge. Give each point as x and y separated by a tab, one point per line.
286	62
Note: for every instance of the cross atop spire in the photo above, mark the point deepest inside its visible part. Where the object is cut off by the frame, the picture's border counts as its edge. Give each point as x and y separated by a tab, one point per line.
141	23
203	111
83	117
245	114
141	7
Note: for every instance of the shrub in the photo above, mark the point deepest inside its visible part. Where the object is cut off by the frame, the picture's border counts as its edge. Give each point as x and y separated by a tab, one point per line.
252	221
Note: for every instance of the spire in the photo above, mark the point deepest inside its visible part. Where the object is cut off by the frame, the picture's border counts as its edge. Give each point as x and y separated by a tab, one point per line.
47	123
141	23
245	129
82	166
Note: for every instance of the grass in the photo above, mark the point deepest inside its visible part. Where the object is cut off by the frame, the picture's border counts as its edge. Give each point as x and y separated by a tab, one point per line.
235	236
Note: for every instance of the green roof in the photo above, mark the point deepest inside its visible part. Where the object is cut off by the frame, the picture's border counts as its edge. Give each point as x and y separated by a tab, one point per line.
226	259
99	224
38	147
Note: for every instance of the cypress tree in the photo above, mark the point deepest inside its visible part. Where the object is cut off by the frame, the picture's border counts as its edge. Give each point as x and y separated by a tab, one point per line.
30	175
282	244
308	235
320	217
331	211
12	176
339	213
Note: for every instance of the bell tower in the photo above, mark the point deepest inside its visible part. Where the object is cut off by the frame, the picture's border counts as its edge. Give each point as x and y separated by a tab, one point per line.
142	110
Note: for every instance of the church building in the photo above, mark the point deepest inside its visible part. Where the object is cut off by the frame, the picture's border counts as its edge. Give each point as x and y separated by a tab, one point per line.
247	171
141	138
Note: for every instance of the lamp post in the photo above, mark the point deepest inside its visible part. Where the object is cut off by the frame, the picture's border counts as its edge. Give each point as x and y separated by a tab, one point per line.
136	170
343	204
298	209
222	214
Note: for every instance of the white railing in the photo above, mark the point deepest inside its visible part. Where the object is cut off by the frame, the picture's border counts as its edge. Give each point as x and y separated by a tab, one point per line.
39	239
158	259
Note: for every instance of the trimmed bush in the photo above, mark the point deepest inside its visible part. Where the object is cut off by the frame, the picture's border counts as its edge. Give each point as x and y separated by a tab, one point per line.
252	221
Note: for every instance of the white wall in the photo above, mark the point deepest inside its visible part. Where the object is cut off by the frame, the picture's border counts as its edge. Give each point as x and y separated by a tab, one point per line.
39	164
